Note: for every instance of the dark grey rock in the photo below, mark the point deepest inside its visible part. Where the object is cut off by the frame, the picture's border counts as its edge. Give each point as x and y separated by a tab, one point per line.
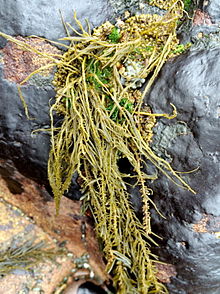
28	151
42	18
134	7
213	8
208	12
210	39
191	82
90	288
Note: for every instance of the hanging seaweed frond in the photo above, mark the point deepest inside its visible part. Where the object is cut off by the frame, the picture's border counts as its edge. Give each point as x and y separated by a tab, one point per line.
103	122
104	119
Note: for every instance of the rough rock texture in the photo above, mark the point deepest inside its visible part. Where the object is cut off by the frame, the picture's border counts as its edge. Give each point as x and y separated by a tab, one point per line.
202	24
133	7
191	229
27	213
213	8
192	226
42	18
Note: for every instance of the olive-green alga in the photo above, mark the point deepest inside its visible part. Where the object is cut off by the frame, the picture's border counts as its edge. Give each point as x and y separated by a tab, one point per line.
104	119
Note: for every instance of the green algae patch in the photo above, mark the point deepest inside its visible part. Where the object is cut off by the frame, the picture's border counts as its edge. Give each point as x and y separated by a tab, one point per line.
115	35
104	119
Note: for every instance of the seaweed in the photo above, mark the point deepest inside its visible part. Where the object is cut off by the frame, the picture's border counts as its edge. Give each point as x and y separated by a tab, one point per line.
25	256
103	125
104	120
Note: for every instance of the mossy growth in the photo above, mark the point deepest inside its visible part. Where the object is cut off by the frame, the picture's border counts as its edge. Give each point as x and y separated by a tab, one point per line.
103	74
188	4
104	120
115	35
115	112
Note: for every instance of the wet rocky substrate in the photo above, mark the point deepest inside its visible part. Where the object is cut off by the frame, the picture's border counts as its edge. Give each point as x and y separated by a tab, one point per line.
189	142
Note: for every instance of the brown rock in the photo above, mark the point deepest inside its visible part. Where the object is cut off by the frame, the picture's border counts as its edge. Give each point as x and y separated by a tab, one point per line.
19	62
201	18
165	272
31	214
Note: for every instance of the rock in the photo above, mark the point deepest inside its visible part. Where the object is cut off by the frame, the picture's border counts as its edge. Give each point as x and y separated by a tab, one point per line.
90	288
203	28
27	214
213	8
43	18
29	151
191	229
133	7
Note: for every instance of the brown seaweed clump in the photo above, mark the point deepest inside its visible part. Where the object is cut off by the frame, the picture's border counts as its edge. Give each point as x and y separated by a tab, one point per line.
104	120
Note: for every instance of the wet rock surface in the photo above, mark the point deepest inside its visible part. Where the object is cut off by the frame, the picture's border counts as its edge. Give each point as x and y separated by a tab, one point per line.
44	19
191	141
191	82
213	8
29	216
28	151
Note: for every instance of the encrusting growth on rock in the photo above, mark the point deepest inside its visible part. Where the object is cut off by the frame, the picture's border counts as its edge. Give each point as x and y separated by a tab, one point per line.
104	120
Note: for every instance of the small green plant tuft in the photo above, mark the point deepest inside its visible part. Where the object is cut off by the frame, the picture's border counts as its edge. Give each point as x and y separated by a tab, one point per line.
98	75
188	4
115	113
181	48
115	35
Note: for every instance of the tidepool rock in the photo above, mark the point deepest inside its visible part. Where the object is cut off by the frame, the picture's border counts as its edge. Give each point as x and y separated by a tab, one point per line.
191	229
213	8
43	18
29	151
